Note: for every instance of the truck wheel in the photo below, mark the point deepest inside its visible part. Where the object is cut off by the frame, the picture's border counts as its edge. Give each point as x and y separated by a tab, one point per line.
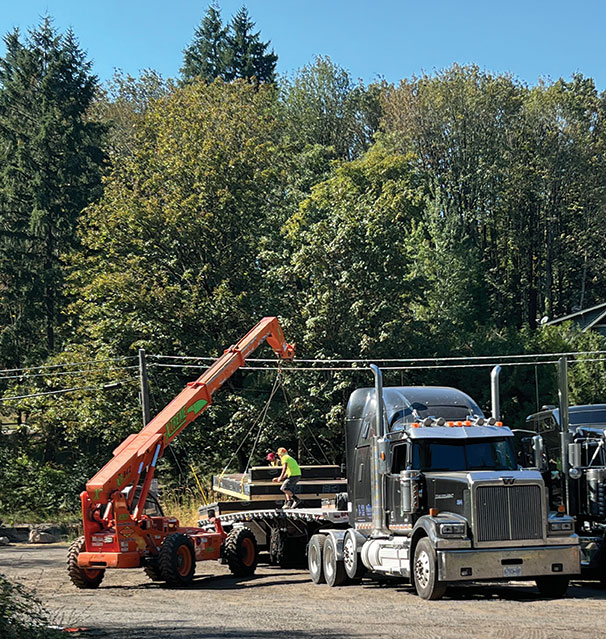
177	560
241	552
334	570
84	578
314	558
553	587
354	567
425	572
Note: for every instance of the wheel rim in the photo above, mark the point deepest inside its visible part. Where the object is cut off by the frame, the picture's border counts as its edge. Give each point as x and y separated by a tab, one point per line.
328	560
183	561
349	554
248	552
422	569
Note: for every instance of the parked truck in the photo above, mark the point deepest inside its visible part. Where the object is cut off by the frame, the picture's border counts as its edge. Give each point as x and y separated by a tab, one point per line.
567	445
435	495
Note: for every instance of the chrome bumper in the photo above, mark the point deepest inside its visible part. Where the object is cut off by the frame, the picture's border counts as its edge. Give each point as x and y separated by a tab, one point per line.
511	563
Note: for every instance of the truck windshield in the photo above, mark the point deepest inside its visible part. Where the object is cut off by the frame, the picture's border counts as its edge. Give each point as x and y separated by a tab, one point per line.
491	454
578	417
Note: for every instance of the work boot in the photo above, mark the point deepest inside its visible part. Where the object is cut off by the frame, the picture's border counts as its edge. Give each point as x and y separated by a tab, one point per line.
287	504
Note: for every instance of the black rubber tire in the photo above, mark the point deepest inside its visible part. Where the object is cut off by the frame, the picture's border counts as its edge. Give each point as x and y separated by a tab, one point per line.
277	547
352	561
152	571
334	570
241	552
177	560
315	558
80	577
425	572
554	587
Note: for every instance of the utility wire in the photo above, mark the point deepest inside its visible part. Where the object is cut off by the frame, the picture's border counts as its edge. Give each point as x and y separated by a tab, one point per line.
45	366
55	374
369	360
69	390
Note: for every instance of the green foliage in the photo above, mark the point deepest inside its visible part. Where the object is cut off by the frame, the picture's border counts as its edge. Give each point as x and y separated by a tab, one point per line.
49	170
230	53
22	616
324	106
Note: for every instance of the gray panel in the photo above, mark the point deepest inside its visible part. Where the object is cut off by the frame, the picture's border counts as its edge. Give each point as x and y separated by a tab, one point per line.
508	513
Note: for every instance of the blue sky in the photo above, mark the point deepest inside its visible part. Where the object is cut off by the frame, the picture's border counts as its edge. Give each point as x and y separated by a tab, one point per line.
388	38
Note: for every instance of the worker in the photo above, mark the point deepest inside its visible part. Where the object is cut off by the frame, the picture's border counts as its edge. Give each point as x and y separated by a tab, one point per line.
272	459
290	475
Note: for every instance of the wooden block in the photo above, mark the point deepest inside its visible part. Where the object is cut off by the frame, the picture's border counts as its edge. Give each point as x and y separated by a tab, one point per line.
263	473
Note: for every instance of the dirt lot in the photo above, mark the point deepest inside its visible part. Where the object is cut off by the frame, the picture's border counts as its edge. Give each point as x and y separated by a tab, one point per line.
285	602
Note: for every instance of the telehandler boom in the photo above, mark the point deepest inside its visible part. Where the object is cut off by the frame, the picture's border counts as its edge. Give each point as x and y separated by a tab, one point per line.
119	533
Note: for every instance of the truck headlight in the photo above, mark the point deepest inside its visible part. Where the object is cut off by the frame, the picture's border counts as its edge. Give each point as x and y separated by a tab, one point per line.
560	526
453	529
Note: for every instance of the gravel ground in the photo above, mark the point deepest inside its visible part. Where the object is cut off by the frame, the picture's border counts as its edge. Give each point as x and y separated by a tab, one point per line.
285	602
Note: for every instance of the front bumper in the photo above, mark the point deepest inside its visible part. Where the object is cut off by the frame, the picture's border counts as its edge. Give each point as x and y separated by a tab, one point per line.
511	563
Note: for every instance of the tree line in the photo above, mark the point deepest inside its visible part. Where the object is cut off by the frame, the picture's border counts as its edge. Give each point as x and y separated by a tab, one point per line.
445	215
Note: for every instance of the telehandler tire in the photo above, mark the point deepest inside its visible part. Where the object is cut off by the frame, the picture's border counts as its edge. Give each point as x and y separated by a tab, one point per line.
177	560
554	587
241	552
425	573
334	570
83	578
152	571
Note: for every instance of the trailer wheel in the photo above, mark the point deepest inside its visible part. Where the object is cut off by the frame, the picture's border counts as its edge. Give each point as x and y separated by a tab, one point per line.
425	573
241	552
315	558
553	587
84	578
354	567
334	570
277	547
177	560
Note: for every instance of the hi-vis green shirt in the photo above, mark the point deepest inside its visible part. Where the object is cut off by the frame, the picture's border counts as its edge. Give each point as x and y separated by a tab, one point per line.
292	468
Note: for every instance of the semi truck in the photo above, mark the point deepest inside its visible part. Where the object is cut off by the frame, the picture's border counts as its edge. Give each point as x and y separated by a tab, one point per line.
567	445
435	495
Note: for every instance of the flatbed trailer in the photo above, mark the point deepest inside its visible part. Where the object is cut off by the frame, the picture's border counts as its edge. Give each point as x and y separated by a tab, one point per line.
282	533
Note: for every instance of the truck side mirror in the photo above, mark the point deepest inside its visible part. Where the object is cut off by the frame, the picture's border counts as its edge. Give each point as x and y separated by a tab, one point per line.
410	490
538	448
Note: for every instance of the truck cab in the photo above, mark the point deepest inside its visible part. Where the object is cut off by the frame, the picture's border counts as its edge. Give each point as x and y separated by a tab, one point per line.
583	482
436	496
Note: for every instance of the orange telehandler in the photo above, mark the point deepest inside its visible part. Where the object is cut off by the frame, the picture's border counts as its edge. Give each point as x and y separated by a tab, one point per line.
120	531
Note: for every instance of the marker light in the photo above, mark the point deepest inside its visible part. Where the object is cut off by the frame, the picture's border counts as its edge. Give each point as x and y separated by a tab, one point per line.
467	422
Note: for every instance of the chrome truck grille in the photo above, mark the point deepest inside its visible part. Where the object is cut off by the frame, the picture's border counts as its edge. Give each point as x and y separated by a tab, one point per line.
505	513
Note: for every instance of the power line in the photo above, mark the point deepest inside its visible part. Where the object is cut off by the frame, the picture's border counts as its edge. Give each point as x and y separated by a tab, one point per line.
71	372
45	366
370	360
69	390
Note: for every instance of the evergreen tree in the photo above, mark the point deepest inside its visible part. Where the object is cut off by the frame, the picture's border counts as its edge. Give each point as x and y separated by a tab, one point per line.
206	56
50	161
247	56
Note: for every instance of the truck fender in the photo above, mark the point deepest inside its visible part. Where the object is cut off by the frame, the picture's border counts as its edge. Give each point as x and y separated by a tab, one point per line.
338	536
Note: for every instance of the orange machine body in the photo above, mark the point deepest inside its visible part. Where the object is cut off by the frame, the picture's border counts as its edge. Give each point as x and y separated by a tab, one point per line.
117	531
